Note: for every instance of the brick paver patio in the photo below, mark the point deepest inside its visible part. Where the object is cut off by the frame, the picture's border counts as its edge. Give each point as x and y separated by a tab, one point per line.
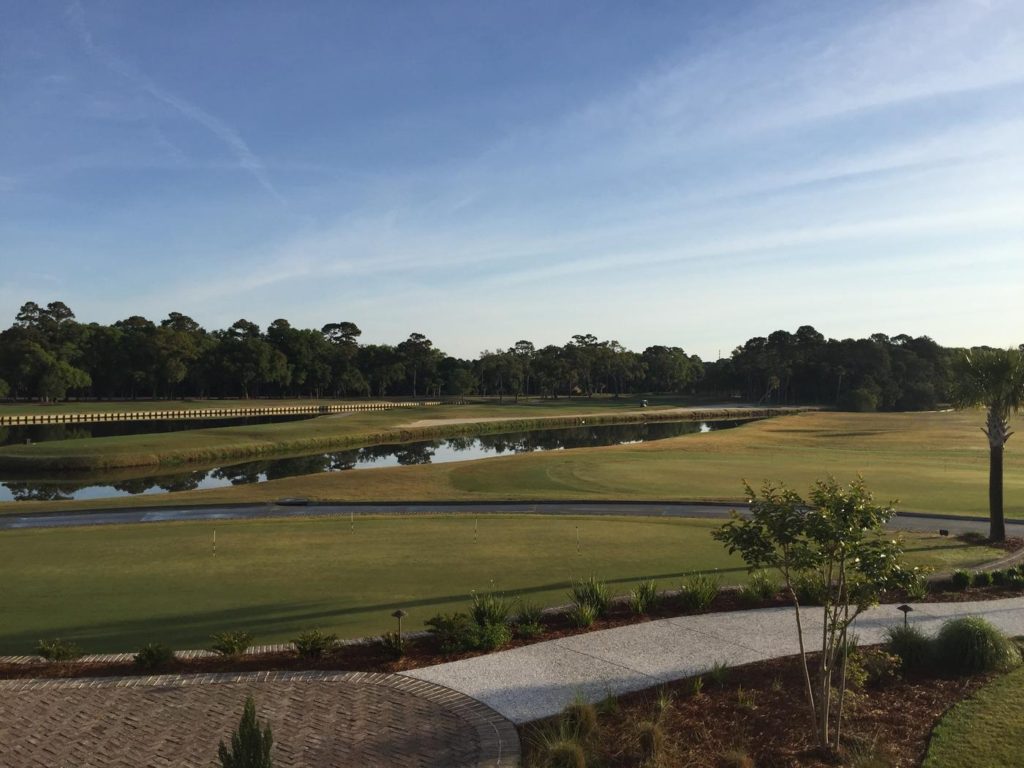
319	720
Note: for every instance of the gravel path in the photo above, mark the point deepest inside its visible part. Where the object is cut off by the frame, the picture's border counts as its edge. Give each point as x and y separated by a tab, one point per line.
537	681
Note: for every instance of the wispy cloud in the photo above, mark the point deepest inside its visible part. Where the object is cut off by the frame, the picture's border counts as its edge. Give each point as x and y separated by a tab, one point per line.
230	137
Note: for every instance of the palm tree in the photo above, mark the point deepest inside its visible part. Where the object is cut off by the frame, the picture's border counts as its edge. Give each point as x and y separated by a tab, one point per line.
993	378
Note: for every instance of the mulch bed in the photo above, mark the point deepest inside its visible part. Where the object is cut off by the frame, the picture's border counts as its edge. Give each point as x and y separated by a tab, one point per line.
759	717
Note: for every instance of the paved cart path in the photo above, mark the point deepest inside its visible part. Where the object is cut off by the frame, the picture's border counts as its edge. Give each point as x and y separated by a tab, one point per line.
539	680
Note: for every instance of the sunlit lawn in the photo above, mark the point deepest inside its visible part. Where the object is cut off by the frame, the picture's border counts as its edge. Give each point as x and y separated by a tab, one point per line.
113	588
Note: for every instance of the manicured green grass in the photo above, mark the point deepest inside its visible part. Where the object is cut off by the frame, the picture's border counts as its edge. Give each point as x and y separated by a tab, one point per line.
985	731
935	462
113	588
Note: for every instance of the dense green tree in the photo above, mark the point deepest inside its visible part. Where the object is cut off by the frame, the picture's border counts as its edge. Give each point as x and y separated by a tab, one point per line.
993	378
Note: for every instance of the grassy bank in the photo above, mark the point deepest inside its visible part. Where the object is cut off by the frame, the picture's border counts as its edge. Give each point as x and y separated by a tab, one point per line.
206	446
117	587
986	730
929	461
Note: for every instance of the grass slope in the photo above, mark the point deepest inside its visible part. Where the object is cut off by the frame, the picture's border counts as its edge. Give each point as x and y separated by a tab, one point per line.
985	731
928	461
113	588
197	446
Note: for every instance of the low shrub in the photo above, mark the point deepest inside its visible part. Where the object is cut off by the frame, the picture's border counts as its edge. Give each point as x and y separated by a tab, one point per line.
593	593
982	579
971	644
582	615
579	719
698	592
1000	578
910	645
960	579
313	644
58	650
393	644
529	631
643	597
811	589
231	643
453	632
529	613
880	667
760	588
490	608
490	637
1015	578
154	656
565	753
528	622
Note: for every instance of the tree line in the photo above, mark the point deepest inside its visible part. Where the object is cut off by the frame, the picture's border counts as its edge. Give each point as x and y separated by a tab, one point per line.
48	355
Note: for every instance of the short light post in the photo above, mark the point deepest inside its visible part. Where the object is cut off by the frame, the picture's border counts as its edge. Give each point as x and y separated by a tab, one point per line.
905	609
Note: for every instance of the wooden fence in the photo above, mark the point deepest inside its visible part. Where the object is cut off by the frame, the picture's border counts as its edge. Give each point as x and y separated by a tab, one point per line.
204	413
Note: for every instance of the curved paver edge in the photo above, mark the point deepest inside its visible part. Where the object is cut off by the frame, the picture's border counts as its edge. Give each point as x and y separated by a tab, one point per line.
497	736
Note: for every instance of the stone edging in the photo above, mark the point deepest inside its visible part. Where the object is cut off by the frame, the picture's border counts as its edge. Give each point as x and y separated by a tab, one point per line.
498	738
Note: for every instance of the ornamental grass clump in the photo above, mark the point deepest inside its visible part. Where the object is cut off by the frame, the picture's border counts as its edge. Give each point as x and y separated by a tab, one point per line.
593	593
314	644
970	645
698	592
453	632
760	588
911	645
528	621
643	597
153	656
231	644
490	608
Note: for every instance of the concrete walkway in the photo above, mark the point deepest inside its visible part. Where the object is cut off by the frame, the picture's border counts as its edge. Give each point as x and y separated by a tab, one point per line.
539	680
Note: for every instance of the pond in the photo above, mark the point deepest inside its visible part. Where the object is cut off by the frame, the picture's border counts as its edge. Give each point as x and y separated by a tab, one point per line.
95	486
42	433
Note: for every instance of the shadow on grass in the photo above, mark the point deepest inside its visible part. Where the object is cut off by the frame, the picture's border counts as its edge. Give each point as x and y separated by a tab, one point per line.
269	620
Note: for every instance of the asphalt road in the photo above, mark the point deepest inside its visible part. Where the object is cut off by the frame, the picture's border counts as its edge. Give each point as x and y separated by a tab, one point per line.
910	521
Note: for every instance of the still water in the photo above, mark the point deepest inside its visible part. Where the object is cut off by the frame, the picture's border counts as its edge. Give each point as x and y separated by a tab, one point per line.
94	486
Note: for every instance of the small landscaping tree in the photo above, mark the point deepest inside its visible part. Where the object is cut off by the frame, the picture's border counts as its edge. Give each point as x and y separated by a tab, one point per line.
837	538
250	747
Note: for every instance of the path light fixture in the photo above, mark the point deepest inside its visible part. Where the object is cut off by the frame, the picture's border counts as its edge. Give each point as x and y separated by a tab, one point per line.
906	609
399	614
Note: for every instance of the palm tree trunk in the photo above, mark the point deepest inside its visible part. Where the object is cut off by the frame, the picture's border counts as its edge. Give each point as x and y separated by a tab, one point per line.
997	526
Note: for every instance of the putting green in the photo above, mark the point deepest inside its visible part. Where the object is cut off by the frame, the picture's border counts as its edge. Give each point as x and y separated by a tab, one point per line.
113	588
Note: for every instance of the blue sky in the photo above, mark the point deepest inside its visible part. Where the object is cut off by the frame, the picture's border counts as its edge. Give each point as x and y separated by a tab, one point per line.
659	173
